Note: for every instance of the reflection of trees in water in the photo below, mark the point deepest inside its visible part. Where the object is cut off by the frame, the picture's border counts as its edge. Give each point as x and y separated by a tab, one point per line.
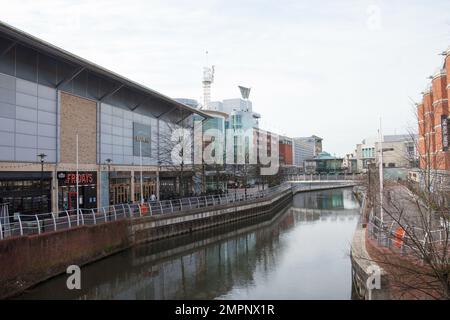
214	270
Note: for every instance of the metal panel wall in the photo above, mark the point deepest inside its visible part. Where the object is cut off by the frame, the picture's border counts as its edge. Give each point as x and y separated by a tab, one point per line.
27	120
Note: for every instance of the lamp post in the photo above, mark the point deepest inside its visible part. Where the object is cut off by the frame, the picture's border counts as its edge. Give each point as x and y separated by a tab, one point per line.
41	209
42	157
158	187
108	163
381	151
141	183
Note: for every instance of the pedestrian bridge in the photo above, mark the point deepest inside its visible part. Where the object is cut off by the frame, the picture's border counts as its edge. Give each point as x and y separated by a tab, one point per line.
324	177
305	186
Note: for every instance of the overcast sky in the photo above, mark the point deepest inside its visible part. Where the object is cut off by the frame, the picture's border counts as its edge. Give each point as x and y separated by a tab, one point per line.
329	68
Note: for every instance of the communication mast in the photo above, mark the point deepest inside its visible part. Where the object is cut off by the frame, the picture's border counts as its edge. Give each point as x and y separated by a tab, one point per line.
208	79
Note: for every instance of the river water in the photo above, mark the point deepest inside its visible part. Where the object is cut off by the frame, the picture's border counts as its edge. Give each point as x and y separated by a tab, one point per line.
299	253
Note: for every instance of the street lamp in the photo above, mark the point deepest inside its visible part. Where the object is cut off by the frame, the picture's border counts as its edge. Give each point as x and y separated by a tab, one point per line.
42	157
381	151
108	163
158	187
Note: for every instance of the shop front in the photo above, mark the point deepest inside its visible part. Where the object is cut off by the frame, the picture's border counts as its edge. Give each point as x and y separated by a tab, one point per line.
148	185
120	187
23	193
87	190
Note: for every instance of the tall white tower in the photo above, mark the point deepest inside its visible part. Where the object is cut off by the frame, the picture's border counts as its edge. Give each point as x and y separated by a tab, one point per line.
208	79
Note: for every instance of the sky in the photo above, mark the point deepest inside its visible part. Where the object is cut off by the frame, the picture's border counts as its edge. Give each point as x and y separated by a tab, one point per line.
329	68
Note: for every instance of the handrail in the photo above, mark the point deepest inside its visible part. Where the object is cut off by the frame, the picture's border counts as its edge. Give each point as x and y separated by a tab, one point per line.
22	225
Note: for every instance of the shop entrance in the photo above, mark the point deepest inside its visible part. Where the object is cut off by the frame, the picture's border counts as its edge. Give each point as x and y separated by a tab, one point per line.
72	201
67	191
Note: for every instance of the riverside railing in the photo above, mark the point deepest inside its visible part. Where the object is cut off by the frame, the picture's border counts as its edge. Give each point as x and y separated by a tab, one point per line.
21	225
305	186
323	177
413	240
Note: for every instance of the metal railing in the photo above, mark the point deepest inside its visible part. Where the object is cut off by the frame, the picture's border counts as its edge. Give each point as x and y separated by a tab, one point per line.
314	186
414	240
323	177
21	225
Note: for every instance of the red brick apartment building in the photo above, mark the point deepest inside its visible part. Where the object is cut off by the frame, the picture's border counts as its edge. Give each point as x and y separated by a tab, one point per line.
285	149
434	121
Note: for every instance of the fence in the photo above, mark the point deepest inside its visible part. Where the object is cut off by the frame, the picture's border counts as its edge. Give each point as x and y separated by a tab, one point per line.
20	225
304	186
324	177
407	239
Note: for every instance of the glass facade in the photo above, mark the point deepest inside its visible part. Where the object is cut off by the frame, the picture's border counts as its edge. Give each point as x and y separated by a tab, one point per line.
117	139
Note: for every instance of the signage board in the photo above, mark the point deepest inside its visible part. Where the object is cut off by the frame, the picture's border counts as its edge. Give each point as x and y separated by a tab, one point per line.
141	139
69	178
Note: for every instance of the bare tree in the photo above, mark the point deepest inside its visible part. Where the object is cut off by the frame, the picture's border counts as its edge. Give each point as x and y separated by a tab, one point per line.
175	151
409	228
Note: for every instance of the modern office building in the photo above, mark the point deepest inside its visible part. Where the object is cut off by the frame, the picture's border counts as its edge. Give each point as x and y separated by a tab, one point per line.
306	148
399	151
214	149
52	101
365	154
350	163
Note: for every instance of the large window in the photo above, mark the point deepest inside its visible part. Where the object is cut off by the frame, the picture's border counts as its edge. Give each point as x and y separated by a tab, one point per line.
25	196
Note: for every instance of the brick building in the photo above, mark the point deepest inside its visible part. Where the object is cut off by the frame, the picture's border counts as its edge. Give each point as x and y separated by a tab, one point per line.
285	150
434	122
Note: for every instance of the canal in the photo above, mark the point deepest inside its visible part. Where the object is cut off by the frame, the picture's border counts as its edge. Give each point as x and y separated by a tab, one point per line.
299	253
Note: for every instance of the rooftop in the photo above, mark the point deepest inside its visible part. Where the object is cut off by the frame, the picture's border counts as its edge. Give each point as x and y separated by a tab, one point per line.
80	65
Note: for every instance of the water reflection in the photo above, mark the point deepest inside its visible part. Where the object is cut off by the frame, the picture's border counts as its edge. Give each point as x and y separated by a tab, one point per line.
300	253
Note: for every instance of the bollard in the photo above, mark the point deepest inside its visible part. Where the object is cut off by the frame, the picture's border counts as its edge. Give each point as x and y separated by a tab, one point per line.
20	225
54	220
68	219
38	224
82	217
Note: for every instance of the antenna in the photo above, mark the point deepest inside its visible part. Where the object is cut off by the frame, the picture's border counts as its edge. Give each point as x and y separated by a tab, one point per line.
208	79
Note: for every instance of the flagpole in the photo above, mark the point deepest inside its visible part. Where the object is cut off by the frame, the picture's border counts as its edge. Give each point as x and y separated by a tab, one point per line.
142	188
381	172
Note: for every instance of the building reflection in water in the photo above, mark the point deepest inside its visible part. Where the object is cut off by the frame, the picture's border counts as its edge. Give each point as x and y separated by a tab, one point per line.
207	265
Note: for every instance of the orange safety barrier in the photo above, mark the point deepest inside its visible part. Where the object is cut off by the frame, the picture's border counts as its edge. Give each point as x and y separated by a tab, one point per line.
399	234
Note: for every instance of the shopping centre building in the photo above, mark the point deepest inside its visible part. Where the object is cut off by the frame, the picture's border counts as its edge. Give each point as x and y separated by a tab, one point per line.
51	99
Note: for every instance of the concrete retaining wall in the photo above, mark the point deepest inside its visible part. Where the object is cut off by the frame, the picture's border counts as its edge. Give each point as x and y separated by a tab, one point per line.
362	268
158	227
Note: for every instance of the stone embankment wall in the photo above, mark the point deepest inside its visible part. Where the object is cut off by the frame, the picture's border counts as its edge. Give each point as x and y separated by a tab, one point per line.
29	260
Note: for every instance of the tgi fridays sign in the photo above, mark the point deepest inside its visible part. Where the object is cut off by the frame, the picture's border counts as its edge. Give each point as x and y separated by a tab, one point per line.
68	178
